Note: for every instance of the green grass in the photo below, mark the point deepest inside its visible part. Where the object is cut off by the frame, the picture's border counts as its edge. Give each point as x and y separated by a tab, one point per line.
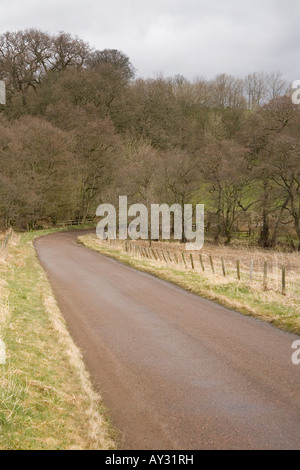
268	305
46	398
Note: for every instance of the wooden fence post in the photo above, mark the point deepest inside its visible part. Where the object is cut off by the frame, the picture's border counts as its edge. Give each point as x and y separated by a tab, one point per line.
238	271
251	270
265	281
223	267
201	262
192	261
283	280
212	264
182	254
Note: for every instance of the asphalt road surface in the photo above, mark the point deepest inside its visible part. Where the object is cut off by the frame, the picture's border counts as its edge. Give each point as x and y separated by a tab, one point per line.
176	371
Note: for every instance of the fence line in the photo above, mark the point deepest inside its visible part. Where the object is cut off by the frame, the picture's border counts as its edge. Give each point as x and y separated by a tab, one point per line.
70	223
228	269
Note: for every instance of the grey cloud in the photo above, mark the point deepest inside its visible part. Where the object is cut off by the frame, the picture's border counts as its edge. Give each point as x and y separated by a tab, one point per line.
190	37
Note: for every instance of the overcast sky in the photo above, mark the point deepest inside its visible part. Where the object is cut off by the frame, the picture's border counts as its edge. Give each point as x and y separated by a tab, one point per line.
188	37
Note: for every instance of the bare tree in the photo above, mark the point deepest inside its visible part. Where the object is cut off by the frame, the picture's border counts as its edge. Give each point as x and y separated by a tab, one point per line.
224	166
27	56
114	59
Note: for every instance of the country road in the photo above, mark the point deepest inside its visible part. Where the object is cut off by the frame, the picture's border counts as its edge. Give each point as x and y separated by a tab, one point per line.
175	371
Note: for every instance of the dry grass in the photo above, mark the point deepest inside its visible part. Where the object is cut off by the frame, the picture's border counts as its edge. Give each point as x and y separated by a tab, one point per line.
46	397
4	305
249	297
12	239
230	255
275	261
98	426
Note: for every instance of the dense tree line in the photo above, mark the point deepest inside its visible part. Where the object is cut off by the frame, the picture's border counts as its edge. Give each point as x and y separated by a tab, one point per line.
79	129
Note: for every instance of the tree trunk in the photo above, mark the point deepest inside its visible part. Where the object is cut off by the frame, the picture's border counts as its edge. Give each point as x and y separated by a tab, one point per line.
276	230
265	231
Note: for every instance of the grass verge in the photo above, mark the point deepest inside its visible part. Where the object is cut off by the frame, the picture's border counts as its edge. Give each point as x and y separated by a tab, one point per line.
46	397
268	305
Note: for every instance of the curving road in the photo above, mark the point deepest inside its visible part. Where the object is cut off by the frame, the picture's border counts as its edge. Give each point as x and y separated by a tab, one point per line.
176	371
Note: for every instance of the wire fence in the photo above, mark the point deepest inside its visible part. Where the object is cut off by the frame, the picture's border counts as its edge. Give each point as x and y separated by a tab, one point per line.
252	271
